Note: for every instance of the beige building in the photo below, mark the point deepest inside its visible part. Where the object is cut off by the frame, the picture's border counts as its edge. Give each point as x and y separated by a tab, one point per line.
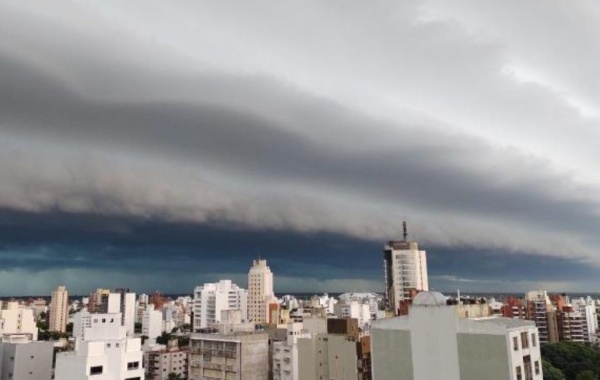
58	310
159	364
260	291
229	357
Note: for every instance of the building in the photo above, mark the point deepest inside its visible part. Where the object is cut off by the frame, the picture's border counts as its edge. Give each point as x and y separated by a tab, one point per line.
405	270
17	320
260	291
432	342
103	352
371	299
213	298
540	310
162	362
354	309
285	353
152	323
233	356
20	358
58	310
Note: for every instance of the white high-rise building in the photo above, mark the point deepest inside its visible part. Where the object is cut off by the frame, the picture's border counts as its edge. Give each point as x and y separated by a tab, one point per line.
128	311
260	291
405	271
17	320
213	298
58	310
102	352
152	324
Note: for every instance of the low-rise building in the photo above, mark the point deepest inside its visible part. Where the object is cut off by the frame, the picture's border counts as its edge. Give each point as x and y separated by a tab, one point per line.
432	342
166	360
103	352
20	358
229	356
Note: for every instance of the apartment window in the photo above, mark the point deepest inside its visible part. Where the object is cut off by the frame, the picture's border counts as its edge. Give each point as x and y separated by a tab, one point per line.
537	367
519	373
515	343
96	370
524	340
133	365
533	340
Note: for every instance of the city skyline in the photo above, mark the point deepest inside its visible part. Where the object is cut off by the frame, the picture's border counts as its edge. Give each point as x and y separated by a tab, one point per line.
169	145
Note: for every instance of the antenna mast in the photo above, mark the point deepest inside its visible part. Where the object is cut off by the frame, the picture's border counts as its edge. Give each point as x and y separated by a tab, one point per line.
404	232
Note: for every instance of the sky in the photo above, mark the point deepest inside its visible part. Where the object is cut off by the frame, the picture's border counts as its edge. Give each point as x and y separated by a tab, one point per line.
159	145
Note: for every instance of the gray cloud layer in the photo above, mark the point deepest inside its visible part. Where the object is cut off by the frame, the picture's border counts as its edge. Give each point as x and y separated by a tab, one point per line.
479	126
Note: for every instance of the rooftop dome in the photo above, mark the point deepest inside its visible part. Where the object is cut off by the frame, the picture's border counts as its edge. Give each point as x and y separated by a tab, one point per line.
429	299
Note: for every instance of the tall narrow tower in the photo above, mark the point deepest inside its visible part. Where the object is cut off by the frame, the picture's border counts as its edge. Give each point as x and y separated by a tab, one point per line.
405	270
58	310
260	291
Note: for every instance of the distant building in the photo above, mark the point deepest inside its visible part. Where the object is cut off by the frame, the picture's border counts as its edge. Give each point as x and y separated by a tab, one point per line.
405	269
539	309
213	298
103	352
260	291
58	310
229	357
152	323
20	358
432	342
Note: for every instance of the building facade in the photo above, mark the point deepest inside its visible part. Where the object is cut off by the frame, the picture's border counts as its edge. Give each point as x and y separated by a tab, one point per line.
58	310
211	299
405	268
260	291
432	342
20	358
229	357
104	352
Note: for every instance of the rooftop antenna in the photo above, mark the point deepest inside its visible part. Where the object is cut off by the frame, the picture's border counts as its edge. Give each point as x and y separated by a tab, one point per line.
404	232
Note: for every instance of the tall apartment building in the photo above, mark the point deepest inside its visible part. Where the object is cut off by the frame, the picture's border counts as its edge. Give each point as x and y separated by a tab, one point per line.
212	298
58	310
234	356
432	342
103	352
260	291
539	309
405	270
152	323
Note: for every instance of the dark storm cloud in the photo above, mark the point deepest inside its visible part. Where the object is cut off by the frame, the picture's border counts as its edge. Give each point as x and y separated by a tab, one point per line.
204	115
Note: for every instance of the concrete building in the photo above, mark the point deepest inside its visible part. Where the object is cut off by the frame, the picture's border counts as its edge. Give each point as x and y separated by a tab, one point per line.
354	309
539	309
213	298
152	323
104	352
260	291
233	357
432	342
405	270
160	363
58	310
18	320
371	299
285	353
21	359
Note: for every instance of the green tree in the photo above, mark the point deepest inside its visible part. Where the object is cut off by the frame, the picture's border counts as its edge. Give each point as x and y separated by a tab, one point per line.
551	372
587	375
174	376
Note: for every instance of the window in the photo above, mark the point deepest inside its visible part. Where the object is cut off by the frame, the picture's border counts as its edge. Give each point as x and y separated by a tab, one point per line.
524	340
133	365
96	370
519	373
533	340
537	367
515	343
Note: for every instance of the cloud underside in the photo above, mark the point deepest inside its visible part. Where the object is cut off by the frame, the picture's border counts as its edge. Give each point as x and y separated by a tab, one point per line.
248	121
